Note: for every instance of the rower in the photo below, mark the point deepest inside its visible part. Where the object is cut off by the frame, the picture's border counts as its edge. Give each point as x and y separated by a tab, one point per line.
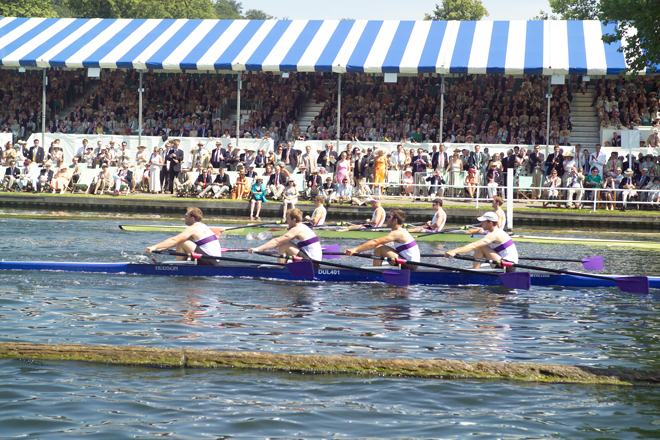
377	218
496	245
308	246
406	247
437	222
196	238
318	216
501	217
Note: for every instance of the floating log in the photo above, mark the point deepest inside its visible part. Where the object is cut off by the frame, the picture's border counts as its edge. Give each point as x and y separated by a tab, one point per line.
330	364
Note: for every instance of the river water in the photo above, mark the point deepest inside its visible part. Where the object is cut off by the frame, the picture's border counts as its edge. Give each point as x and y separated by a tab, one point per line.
588	327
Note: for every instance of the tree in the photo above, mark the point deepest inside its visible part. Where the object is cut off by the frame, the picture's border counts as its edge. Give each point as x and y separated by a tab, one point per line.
193	9
571	10
26	8
256	14
643	47
228	9
470	10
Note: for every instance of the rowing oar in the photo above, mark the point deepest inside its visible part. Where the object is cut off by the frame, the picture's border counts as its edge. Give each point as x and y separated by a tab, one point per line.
511	280
300	272
330	252
302	267
634	284
445	231
589	263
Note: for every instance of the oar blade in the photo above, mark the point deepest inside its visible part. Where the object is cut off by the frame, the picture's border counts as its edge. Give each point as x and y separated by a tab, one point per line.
301	269
633	284
330	250
517	280
593	263
399	278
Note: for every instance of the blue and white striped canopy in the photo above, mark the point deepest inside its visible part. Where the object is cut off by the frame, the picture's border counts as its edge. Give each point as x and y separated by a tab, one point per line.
374	46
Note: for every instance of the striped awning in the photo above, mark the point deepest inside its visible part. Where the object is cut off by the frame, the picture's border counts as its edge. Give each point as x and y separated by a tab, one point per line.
374	46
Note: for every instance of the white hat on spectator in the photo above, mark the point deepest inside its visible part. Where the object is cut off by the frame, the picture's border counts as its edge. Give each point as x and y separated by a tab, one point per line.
407	170
22	142
48	163
103	147
200	143
629	171
140	147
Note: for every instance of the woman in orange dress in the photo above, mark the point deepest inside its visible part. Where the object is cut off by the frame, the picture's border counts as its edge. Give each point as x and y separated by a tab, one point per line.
241	185
380	170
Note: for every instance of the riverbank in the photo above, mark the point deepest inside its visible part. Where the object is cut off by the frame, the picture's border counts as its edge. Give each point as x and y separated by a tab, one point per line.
526	212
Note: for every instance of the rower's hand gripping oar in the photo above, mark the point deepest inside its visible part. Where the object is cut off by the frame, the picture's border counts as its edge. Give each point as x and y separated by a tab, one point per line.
295	271
589	263
512	280
634	284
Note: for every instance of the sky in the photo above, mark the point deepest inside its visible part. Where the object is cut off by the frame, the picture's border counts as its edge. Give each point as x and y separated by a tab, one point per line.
387	9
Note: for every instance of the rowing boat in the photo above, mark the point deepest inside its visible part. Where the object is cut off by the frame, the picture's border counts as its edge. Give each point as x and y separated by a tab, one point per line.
362	234
269	272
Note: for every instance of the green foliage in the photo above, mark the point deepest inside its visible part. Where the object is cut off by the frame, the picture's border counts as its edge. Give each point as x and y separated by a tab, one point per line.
256	14
465	10
193	9
26	8
228	9
643	48
571	10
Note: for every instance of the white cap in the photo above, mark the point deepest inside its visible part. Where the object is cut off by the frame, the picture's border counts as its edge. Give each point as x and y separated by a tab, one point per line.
490	216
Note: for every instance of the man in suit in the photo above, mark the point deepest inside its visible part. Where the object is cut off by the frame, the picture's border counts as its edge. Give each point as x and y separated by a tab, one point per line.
218	156
629	187
509	164
555	161
37	153
12	174
200	155
419	162
45	177
290	157
309	159
477	159
616	140
327	159
203	182
435	181
313	184
360	167
574	185
175	158
260	159
644	180
612	164
536	169
277	183
232	158
123	177
398	158
24	151
220	185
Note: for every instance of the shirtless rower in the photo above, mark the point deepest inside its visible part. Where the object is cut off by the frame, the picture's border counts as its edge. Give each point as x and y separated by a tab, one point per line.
501	217
318	216
437	222
406	247
196	238
496	245
377	218
308	246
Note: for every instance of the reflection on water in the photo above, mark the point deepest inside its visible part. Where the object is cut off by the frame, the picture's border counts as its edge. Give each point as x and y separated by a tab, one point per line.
550	325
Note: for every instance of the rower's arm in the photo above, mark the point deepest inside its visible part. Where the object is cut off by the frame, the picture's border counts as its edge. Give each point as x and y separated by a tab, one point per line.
172	241
470	247
275	242
372	244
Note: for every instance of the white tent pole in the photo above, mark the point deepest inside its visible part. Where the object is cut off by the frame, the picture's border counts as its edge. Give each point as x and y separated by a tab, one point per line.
238	108
442	107
338	135
43	111
547	116
140	111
